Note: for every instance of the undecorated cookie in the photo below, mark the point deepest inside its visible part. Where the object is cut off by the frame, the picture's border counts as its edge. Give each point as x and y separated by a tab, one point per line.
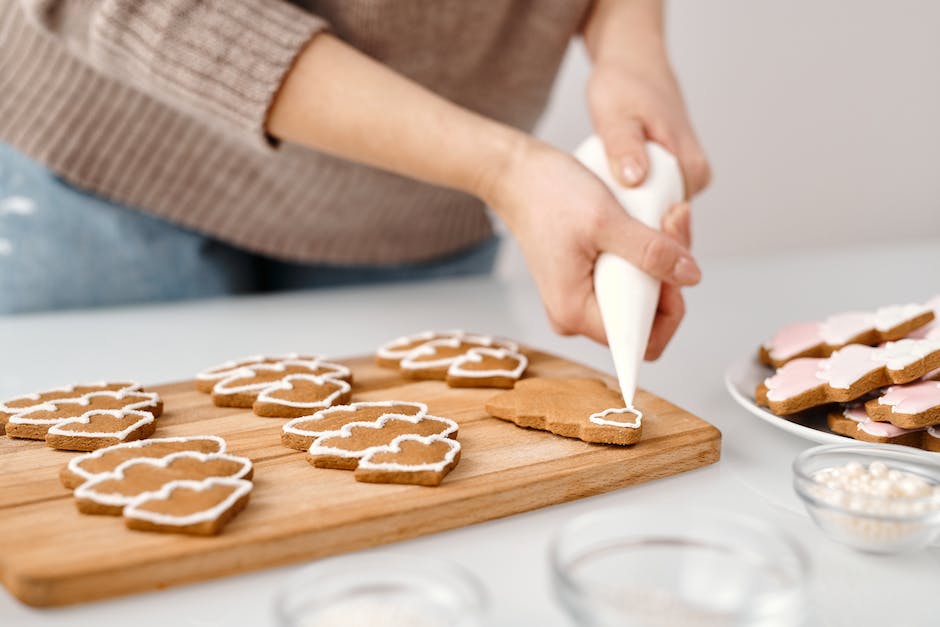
33	422
109	493
847	374
911	406
410	459
585	409
300	433
189	507
487	367
81	468
821	339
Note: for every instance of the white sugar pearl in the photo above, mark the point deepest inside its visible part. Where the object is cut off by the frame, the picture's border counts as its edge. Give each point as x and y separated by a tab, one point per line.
877	469
853	469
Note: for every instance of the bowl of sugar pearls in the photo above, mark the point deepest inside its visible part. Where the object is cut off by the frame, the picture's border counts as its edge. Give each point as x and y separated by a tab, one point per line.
875	498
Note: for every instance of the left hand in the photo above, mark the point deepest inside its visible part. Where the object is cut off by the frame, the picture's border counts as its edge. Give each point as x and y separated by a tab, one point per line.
631	104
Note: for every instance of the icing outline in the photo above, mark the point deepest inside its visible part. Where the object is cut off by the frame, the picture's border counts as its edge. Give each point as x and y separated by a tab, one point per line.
394	446
408	362
599	417
75	464
22	417
388	350
144	418
323	414
342	387
240	487
476	355
345	432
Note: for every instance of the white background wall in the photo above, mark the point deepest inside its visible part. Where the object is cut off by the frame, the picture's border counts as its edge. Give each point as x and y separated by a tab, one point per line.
821	119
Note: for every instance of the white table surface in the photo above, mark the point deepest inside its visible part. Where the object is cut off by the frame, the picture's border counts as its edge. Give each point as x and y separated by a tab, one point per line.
738	304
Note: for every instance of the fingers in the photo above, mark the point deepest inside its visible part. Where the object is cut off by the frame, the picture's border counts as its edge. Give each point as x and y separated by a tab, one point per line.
569	317
669	314
696	171
658	254
625	144
677	223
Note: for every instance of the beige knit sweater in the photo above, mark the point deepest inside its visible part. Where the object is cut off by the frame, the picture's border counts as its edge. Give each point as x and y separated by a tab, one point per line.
160	104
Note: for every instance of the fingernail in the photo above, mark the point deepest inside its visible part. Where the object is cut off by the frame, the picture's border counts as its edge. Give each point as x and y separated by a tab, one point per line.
686	271
630	170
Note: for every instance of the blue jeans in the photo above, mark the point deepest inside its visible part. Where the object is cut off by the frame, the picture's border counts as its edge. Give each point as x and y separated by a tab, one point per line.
62	248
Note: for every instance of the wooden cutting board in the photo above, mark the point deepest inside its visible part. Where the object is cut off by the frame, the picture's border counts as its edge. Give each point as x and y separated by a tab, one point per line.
52	555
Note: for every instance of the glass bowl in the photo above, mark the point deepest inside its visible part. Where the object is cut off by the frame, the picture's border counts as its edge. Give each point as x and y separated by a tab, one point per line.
381	590
691	567
874	524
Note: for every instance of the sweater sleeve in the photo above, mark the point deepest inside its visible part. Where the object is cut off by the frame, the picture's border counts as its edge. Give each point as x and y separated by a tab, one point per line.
221	61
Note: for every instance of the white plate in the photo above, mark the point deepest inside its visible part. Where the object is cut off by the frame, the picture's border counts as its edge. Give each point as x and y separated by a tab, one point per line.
742	378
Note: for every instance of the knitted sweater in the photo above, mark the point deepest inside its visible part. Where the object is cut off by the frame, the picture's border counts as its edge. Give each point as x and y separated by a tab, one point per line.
161	104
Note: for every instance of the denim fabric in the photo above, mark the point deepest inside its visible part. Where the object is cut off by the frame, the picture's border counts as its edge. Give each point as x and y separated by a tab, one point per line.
63	248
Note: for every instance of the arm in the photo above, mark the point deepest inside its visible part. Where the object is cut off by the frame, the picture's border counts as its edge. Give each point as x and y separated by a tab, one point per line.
340	101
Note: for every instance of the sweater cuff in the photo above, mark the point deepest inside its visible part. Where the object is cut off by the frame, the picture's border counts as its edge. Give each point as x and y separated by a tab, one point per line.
222	61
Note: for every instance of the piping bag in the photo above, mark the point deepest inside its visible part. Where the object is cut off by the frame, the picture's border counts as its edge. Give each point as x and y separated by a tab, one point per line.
626	295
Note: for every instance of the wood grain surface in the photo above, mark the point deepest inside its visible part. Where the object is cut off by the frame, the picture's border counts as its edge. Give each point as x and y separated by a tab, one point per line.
52	555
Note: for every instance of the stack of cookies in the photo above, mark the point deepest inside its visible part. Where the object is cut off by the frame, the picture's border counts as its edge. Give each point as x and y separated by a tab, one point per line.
874	371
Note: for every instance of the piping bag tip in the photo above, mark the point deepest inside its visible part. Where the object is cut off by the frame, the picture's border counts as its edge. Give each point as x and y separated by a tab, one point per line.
627	296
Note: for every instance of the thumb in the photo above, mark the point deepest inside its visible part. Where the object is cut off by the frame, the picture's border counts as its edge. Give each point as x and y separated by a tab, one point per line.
625	145
658	254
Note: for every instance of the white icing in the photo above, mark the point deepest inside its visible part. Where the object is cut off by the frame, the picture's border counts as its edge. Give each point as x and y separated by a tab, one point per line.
886	318
898	355
87	490
143	418
934	431
395	350
341	387
600	417
395	447
409	361
23	417
132	386
476	355
319	448
241	488
227	368
75	464
228	386
839	329
291	426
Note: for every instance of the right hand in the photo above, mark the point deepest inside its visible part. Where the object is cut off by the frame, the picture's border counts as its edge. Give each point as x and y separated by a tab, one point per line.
564	217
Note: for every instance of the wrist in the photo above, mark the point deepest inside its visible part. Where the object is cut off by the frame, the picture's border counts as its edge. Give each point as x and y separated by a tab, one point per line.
506	151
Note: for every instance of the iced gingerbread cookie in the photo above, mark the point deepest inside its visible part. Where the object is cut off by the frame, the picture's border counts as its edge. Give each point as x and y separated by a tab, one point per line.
100	428
847	374
189	507
345	447
207	379
931	441
282	391
487	367
300	433
585	409
855	423
110	492
410	459
104	460
390	355
35	422
821	339
27	402
911	406
433	359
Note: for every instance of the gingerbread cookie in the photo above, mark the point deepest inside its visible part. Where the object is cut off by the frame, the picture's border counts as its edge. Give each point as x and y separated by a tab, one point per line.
821	339
241	389
410	459
931	441
432	360
911	406
207	379
345	447
36	421
847	374
189	507
27	402
299	394
853	422
100	428
300	433
104	460
390	355
585	409
109	493
487	367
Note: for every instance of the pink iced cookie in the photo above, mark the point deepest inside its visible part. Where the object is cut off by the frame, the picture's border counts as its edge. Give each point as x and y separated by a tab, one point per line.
912	406
855	423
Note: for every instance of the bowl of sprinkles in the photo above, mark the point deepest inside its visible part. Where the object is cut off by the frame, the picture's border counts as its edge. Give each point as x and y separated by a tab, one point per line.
878	499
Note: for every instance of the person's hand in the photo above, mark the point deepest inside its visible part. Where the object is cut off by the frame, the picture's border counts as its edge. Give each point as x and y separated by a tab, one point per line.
564	217
630	105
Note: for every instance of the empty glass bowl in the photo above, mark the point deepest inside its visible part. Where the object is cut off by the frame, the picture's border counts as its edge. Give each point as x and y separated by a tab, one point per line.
384	590
690	567
867	521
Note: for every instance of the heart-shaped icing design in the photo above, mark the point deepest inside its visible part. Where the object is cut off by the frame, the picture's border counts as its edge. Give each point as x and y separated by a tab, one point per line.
410	459
109	493
487	367
84	467
100	428
300	433
574	408
299	394
191	507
